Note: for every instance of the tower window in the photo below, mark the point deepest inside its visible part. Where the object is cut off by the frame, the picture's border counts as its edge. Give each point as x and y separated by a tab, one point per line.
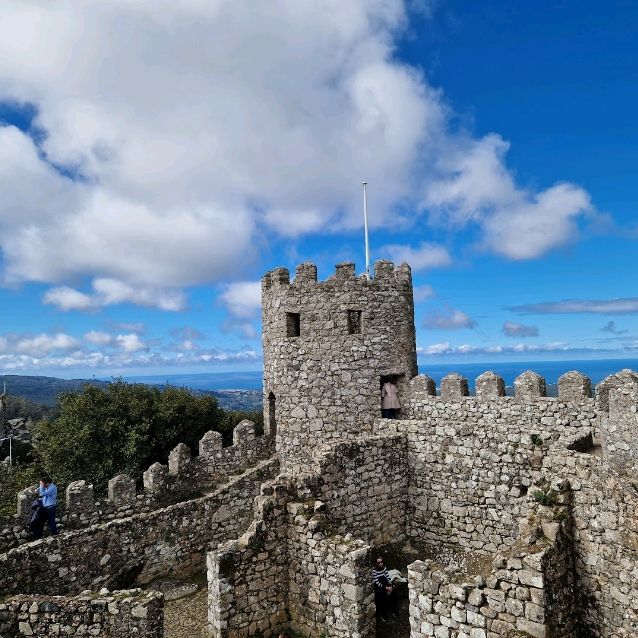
293	324
354	322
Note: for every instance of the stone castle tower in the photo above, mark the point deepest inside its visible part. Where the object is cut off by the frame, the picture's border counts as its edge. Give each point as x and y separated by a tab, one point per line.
328	346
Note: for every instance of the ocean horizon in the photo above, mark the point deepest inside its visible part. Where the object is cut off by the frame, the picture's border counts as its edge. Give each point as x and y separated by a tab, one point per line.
595	369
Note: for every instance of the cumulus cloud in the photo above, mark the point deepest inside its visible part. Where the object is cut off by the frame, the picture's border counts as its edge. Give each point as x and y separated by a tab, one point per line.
476	186
423	292
98	338
513	329
243	298
130	343
255	119
108	292
624	306
43	344
426	255
611	327
449	319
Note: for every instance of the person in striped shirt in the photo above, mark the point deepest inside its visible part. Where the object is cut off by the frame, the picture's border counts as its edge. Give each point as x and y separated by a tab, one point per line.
385	596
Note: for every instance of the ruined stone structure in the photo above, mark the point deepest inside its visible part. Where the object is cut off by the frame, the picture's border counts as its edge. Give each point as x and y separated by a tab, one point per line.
520	513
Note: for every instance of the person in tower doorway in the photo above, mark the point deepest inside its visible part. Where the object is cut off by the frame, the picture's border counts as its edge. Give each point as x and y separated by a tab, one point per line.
390	405
49	494
385	596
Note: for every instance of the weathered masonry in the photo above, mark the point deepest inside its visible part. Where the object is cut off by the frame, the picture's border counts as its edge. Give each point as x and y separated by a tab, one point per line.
521	512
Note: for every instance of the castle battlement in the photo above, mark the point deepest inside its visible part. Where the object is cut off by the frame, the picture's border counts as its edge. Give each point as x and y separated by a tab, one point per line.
184	476
385	274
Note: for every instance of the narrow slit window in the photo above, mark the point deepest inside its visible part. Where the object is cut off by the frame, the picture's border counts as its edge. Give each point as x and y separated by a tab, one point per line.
354	322
293	324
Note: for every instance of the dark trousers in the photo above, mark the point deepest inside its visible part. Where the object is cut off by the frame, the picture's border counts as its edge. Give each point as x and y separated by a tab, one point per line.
390	413
50	514
386	603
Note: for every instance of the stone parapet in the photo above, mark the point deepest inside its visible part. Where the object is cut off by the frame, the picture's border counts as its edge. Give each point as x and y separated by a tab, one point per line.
183	477
109	615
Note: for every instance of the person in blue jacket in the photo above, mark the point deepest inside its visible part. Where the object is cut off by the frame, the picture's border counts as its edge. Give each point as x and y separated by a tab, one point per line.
49	494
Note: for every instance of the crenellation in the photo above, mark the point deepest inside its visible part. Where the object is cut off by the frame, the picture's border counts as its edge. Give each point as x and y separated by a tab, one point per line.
574	386
613	381
345	271
155	478
305	273
80	499
489	386
210	445
529	386
454	386
121	490
421	387
178	459
244	432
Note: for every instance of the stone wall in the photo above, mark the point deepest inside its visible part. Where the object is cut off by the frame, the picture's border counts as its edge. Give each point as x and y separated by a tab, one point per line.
182	478
529	590
289	570
471	459
330	590
364	485
605	502
125	613
172	540
248	577
324	385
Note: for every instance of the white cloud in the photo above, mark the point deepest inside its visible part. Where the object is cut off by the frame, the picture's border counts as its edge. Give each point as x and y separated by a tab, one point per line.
243	299
513	329
625	306
497	349
475	186
98	338
423	292
130	343
426	255
66	298
43	344
107	292
255	119
449	319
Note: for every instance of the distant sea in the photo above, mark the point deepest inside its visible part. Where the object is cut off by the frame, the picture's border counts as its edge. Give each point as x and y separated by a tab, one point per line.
596	370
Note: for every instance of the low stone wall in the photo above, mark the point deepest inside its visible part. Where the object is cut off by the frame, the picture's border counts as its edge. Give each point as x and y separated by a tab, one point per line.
125	613
181	479
330	590
364	484
247	577
172	540
286	571
604	506
528	592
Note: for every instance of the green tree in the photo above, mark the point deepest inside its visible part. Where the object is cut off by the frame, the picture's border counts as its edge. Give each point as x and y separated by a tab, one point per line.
102	431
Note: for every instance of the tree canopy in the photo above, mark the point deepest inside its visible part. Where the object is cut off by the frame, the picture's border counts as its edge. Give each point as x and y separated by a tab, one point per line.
102	431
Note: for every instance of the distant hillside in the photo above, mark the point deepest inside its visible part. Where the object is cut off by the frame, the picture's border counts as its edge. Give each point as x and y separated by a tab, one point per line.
43	390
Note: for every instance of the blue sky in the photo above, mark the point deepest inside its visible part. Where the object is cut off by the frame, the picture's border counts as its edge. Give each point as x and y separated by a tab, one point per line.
157	157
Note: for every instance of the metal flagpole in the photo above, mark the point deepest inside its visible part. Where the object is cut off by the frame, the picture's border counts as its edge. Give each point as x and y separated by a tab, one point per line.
365	228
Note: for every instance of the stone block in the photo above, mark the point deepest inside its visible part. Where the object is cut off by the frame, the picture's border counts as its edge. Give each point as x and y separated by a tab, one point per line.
80	498
529	386
244	432
574	386
178	459
454	386
155	479
490	386
121	490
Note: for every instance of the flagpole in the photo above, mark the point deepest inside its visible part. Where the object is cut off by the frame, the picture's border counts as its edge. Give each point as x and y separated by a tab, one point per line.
365	228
